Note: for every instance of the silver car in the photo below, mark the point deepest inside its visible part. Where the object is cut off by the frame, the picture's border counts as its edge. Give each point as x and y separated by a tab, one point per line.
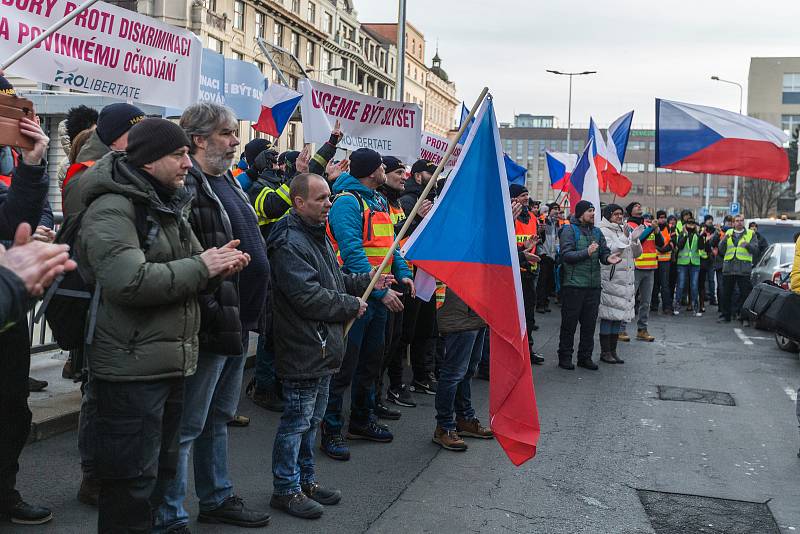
776	261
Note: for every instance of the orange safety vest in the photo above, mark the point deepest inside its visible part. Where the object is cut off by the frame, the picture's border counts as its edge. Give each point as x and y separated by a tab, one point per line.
74	169
649	256
524	232
665	256
377	238
236	172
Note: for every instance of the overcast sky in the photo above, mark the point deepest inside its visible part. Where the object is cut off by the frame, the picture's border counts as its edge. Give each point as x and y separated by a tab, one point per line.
641	50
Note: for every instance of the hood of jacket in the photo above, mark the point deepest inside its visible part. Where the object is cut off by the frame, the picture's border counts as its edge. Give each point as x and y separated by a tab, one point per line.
93	149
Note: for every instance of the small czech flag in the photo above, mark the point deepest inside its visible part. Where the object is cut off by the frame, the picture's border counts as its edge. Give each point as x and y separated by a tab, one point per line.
277	106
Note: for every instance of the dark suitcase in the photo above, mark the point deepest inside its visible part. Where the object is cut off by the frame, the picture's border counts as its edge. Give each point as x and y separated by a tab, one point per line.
775	309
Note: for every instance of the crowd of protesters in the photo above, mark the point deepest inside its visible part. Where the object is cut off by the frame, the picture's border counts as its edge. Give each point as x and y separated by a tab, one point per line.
192	242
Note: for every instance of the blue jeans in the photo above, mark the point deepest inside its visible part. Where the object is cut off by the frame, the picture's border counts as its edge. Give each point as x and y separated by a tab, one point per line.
293	452
211	397
608	327
361	367
264	374
463	352
693	273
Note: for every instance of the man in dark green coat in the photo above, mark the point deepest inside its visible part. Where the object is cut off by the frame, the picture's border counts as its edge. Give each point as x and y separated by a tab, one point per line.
583	249
145	340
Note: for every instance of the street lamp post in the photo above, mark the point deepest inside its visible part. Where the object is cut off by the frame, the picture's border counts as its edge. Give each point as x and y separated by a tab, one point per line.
741	97
569	102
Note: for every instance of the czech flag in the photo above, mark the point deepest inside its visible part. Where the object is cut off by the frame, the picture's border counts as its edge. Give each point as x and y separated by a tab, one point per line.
617	137
584	183
483	269
704	139
277	106
464	115
559	166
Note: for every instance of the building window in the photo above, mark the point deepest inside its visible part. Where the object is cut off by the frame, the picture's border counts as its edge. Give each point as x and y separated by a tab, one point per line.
327	22
293	82
259	24
212	5
722	192
215	44
311	13
343	72
791	88
239	56
292	135
277	34
296	6
238	15
309	54
294	44
789	123
327	61
260	66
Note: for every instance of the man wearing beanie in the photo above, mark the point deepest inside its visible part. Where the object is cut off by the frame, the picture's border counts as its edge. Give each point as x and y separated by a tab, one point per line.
362	229
419	317
135	241
548	250
220	214
111	134
646	266
583	249
661	279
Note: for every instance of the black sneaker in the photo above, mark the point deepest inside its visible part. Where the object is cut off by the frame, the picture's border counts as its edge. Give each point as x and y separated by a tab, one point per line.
23	513
588	364
384	412
321	494
36	385
268	399
400	396
233	512
424	386
297	504
370	432
536	358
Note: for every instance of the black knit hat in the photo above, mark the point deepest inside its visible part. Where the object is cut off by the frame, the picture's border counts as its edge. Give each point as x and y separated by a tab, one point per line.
553	205
391	164
515	190
6	88
629	207
152	139
116	119
610	209
364	162
423	165
254	148
581	208
289	157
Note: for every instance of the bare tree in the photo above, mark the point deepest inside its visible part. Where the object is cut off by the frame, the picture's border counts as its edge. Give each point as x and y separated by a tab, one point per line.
760	197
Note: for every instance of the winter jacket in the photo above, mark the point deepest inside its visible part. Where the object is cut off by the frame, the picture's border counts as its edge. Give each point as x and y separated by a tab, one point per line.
794	280
220	327
578	268
763	245
548	231
346	219
617	301
148	317
319	161
13	300
737	267
46	219
24	200
269	196
72	194
313	300
408	200
683	242
455	316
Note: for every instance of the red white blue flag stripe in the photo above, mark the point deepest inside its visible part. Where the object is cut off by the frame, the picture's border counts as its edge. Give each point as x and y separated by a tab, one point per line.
277	106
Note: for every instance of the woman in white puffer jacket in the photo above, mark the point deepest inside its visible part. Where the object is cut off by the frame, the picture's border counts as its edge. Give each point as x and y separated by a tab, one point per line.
617	300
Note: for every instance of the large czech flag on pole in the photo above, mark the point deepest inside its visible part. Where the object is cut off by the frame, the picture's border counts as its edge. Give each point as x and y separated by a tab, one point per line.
479	262
584	182
277	106
704	139
617	137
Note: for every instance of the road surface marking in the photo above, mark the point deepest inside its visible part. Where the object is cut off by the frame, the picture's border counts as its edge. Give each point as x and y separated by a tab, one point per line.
742	336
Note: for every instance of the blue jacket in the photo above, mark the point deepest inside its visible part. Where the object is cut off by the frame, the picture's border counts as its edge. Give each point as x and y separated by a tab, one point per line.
347	223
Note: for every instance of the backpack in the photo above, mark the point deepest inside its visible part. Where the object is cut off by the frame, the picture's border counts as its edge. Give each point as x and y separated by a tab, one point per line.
70	304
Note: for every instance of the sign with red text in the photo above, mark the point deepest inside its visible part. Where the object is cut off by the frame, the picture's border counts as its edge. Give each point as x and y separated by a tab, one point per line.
105	50
434	148
389	127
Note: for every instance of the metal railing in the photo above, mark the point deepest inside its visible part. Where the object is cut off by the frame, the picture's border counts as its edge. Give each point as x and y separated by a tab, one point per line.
41	337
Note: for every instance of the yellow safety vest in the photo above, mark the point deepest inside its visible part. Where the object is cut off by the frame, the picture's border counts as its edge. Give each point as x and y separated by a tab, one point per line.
283	192
738	251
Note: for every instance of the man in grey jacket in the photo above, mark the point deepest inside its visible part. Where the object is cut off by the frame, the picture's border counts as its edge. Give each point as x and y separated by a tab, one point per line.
738	248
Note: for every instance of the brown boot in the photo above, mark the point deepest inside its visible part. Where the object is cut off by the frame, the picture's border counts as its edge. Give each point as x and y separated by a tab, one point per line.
449	439
605	348
89	493
623	336
473	428
642	335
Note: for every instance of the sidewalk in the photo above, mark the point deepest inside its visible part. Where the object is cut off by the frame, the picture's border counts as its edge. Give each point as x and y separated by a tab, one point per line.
55	410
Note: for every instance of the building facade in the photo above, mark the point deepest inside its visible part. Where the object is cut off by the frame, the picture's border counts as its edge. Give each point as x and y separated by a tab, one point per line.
666	189
440	100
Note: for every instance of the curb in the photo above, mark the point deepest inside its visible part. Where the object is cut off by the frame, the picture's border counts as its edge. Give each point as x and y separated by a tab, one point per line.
60	414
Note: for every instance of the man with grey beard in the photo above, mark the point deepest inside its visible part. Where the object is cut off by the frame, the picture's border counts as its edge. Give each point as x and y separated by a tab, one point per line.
221	212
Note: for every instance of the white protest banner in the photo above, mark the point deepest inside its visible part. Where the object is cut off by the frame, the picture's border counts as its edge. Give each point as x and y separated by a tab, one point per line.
391	128
434	148
107	50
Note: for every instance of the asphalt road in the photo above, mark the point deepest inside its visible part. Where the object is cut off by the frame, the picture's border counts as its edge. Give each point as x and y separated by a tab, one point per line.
605	435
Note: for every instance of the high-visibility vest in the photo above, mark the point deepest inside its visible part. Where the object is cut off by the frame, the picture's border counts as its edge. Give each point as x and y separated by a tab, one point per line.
237	171
689	254
397	214
665	256
738	251
441	291
377	237
649	257
283	192
74	169
524	232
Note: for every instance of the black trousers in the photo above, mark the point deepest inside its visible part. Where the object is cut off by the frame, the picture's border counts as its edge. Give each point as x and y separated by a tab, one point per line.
136	446
420	331
15	417
547	282
392	357
578	305
529	282
728	305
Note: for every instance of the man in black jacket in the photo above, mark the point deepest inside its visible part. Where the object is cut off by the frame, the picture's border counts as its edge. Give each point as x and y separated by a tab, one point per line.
23	204
313	301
